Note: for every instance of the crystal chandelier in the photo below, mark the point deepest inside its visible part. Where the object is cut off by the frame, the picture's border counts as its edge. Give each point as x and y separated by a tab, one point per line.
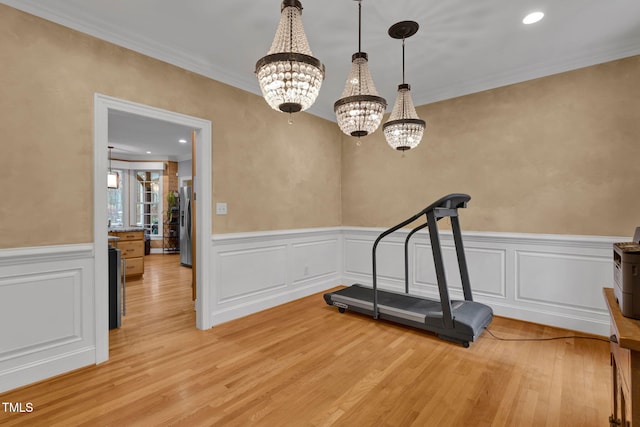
404	128
289	76
359	110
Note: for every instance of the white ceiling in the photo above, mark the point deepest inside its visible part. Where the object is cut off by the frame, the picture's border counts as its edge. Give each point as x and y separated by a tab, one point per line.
136	137
462	47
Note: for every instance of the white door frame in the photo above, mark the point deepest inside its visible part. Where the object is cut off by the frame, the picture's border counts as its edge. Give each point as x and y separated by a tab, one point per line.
202	185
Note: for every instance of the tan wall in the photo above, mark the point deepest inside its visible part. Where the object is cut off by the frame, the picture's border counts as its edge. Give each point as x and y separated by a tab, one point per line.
552	155
559	154
272	175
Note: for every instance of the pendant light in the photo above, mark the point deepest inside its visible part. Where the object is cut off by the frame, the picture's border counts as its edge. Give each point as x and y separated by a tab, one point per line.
360	109
403	131
113	179
289	76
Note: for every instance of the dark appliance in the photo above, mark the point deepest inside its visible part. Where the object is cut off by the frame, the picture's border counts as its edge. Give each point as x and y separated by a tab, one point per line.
116	288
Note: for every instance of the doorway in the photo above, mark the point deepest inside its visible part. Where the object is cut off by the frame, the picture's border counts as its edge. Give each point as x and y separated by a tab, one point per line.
103	105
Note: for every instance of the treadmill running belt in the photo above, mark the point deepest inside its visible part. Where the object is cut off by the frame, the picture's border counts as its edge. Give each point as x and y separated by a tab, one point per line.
392	299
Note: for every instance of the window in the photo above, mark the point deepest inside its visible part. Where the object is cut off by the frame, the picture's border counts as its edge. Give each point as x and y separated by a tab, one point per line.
116	203
137	201
147	187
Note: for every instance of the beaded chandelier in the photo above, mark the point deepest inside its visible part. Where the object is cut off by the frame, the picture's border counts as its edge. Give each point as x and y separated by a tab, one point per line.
289	76
360	109
403	131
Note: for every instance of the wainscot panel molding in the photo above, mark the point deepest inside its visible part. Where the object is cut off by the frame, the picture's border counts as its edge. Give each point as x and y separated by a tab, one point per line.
554	280
46	312
47	301
255	271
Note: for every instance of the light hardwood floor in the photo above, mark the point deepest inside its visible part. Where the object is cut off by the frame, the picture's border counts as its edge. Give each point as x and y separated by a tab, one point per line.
303	363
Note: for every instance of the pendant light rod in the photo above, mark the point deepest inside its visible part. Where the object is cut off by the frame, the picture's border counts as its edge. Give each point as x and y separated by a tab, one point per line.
403	60
359	25
113	179
359	43
404	113
403	30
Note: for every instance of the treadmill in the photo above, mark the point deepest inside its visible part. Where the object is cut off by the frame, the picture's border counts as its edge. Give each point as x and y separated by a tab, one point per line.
458	321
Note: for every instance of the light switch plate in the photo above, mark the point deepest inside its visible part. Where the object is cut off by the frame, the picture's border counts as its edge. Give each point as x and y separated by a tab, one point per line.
221	208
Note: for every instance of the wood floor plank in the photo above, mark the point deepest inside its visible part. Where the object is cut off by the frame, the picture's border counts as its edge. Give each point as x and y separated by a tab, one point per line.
303	363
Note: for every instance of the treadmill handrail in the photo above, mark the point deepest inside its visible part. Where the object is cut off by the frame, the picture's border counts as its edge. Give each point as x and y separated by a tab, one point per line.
406	255
448	204
451	201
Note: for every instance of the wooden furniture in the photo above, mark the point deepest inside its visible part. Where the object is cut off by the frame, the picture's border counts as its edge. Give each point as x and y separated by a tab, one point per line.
131	244
625	365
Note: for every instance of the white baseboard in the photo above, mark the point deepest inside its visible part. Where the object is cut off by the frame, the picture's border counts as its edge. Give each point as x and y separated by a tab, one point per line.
255	305
41	369
46	312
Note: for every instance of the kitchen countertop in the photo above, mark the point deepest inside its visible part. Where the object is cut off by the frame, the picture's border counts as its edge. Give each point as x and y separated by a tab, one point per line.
124	229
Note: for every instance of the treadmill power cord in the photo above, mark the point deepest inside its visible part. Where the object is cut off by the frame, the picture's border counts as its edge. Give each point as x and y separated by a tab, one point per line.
546	339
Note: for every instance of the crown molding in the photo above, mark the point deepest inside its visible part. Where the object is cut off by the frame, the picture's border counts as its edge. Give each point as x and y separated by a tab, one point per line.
121	37
523	74
422	96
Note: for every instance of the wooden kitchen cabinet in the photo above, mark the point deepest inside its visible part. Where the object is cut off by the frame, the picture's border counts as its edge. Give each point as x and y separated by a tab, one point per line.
131	244
625	366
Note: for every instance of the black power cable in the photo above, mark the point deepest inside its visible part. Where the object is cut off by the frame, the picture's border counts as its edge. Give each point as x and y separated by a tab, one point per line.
545	339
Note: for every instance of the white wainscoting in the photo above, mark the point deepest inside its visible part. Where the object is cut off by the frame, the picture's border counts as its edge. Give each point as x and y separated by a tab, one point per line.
46	312
256	271
47	301
549	279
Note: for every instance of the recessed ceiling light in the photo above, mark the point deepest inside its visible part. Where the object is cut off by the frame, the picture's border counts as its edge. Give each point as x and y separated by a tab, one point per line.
148	152
532	18
182	141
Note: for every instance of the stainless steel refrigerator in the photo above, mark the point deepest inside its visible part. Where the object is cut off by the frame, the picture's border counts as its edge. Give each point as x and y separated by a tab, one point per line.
186	227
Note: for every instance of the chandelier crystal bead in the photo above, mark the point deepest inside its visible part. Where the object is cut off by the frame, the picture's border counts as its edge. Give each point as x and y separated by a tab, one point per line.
360	109
289	76
404	129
